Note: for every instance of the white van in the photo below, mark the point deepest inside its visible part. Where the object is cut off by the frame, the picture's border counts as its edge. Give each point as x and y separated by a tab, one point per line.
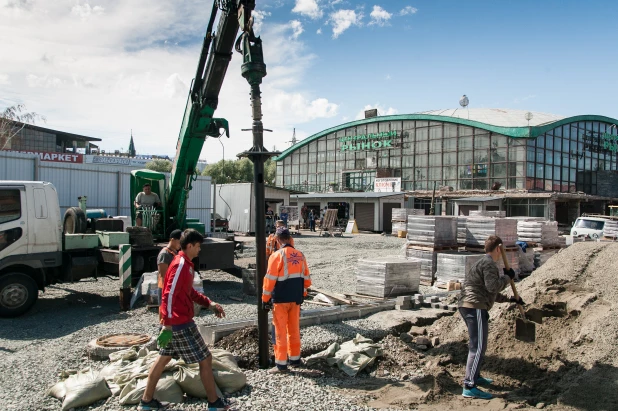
588	227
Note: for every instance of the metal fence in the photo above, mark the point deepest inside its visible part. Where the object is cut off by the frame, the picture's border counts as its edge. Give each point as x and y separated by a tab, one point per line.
106	187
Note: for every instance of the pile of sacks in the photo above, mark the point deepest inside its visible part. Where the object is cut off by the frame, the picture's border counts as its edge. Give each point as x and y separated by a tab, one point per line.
125	376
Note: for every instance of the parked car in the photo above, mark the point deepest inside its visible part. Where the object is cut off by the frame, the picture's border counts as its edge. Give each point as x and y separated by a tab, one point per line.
218	223
588	227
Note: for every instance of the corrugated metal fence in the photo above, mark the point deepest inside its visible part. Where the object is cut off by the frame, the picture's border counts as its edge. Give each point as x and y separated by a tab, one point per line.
106	187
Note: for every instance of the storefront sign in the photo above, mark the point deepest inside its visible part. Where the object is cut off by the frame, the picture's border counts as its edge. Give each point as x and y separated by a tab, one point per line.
387	185
610	142
353	143
112	161
54	157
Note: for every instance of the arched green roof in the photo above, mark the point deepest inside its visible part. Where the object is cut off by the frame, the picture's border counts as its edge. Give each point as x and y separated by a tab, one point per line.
510	131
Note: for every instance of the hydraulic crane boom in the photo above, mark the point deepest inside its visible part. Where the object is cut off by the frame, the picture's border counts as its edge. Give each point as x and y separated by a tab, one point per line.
198	122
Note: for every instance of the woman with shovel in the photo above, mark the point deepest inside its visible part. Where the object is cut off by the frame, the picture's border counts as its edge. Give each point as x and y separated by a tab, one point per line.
480	290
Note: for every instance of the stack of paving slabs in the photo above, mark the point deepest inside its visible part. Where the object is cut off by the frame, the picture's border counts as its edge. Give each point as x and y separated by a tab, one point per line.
484	213
610	229
399	226
427	259
388	276
461	229
453	265
480	228
432	231
400	217
541	232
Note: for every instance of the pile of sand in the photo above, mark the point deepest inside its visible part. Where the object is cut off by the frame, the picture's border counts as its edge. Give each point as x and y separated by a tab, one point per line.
574	361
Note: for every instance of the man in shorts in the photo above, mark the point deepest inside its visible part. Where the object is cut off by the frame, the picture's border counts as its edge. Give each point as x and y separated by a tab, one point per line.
145	199
179	336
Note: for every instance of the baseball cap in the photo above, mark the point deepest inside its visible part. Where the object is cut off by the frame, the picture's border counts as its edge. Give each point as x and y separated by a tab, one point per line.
175	235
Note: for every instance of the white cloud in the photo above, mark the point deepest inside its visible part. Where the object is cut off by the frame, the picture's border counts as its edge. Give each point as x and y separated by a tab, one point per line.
379	16
309	8
85	11
258	20
382	111
43	81
343	20
108	74
388	77
303	109
174	87
319	31
408	10
297	28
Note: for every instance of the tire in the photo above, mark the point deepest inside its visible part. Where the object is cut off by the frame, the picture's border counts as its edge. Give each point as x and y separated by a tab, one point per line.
74	221
18	293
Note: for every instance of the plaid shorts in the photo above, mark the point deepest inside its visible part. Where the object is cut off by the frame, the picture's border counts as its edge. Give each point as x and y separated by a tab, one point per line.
187	344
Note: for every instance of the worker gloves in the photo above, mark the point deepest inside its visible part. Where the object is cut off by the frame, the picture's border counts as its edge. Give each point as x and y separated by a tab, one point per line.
267	306
165	336
517	301
509	273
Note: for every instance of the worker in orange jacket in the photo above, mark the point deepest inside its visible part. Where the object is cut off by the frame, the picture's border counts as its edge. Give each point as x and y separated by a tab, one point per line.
285	287
272	244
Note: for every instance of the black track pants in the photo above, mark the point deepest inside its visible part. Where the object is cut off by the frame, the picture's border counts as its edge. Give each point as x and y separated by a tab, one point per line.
476	320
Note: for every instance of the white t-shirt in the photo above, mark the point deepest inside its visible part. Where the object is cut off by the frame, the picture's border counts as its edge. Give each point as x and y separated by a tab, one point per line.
147	200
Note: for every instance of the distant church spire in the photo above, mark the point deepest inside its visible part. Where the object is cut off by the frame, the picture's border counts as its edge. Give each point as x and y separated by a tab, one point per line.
131	146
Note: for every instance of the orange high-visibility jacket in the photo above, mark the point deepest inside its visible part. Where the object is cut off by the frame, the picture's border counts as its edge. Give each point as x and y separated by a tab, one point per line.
272	244
287	278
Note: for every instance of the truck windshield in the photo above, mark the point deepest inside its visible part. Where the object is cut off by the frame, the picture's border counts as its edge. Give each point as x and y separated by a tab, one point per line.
591	224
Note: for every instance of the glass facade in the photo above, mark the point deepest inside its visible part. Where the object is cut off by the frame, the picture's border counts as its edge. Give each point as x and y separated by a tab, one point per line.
424	153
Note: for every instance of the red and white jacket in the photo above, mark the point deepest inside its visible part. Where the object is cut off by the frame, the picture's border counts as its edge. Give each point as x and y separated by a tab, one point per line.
178	293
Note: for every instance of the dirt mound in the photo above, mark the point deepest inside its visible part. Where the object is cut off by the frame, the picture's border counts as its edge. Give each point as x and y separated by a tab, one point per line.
576	291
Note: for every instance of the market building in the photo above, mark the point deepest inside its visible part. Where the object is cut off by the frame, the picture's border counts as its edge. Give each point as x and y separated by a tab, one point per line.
536	164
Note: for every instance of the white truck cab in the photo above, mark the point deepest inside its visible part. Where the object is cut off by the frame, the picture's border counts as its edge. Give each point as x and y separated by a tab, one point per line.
30	242
588	227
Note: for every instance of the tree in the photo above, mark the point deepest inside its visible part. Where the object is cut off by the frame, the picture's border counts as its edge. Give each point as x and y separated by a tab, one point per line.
12	120
234	171
160	165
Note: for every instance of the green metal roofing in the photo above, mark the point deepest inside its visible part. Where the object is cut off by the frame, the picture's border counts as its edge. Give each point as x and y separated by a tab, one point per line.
515	132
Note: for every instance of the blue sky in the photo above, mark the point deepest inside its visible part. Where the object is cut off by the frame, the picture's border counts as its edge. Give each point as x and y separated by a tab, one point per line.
104	67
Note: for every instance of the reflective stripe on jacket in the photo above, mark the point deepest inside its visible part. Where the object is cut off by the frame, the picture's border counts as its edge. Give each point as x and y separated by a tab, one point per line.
272	244
287	278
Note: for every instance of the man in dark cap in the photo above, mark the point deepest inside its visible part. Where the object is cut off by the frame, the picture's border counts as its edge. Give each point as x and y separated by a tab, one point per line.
165	257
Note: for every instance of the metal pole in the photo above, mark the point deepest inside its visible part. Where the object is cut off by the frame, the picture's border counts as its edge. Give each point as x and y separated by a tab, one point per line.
254	69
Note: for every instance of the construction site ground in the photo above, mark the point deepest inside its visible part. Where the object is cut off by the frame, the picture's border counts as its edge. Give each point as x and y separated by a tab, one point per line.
571	366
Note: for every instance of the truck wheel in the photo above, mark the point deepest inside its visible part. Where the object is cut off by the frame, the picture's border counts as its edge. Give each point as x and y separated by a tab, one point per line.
18	293
75	221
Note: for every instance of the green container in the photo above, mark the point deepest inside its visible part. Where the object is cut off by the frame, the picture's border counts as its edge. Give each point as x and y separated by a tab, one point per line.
196	225
80	241
111	239
192	220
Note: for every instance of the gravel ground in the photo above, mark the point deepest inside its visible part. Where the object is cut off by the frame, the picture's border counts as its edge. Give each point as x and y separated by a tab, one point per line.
51	337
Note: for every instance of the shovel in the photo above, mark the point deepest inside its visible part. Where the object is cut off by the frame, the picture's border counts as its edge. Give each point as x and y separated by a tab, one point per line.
524	329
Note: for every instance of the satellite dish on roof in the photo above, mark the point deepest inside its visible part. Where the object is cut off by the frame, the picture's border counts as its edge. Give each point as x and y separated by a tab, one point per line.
463	101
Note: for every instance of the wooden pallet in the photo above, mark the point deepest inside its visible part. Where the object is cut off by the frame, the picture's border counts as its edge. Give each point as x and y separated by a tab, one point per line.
426	283
430	248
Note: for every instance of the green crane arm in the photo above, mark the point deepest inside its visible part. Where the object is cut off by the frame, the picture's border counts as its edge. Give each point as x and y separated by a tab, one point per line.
198	122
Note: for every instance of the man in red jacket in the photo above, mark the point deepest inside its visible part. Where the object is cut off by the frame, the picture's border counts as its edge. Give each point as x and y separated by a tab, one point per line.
180	336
